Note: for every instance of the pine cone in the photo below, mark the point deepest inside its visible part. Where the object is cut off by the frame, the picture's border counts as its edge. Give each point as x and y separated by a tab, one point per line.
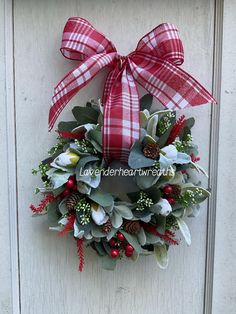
151	150
71	201
131	227
176	189
106	227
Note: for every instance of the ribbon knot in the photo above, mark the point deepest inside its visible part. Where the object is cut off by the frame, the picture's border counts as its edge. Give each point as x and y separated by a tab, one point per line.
121	61
154	64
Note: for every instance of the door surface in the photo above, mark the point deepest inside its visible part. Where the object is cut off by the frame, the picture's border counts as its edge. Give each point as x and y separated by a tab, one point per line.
42	266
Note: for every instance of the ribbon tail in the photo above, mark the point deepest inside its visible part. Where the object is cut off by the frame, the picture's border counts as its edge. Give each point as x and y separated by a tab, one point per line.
172	86
74	81
111	78
121	117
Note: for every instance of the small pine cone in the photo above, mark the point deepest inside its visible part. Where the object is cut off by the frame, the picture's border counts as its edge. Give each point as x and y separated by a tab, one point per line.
151	150
176	189
106	227
132	227
71	201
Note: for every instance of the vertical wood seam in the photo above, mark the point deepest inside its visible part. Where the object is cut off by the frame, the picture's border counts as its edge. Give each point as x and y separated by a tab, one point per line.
213	156
12	153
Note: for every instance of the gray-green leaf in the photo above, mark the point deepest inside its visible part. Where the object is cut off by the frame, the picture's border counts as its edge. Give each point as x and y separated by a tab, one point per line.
108	263
160	253
184	230
137	158
134	242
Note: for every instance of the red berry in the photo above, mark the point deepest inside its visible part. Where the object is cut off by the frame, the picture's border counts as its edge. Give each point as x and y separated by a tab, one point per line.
168	189
120	236
65	193
113	242
70	184
114	253
171	200
129	248
128	253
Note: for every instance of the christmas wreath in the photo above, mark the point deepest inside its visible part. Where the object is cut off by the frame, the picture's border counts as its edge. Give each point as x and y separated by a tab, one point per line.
156	145
161	162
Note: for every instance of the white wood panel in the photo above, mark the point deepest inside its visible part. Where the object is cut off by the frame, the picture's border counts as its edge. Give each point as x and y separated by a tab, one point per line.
49	281
224	291
5	275
6	189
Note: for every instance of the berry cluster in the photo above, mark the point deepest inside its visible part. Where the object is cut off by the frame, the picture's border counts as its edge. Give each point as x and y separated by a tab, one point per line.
119	245
171	192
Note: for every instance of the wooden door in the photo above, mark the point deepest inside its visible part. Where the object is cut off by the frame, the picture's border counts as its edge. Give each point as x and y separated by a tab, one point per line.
38	269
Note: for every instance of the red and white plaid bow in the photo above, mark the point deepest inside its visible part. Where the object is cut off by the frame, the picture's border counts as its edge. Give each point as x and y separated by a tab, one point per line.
153	64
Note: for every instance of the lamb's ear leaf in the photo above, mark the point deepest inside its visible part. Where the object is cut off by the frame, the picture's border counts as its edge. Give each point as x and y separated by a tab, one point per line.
106	247
146	102
152	126
137	158
143	119
148	140
67	126
59	178
84	160
160	253
95	138
141	237
99	248
189	123
124	211
146	181
116	219
52	212
85	115
108	263
199	193
184	230
100	197
133	241
154	193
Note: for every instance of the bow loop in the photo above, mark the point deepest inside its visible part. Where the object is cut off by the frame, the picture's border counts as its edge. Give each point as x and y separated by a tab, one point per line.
171	85
75	80
154	65
163	42
81	40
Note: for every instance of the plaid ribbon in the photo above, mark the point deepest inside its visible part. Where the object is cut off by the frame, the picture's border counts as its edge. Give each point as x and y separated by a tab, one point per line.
153	64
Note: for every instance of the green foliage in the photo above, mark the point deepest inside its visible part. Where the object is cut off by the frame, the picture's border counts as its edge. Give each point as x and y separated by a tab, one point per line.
146	102
100	216
85	115
134	242
185	230
108	263
193	195
100	197
58	178
137	158
160	253
67	126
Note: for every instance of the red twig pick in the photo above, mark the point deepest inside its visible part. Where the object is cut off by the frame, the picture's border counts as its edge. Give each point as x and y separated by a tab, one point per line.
177	128
49	198
168	236
68	226
80	252
70	135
